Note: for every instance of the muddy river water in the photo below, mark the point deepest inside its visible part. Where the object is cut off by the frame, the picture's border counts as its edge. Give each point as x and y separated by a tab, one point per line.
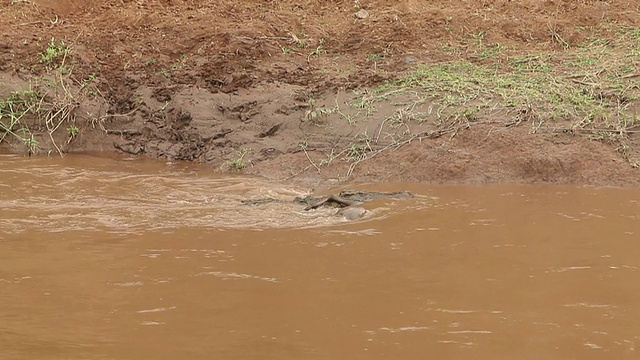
106	258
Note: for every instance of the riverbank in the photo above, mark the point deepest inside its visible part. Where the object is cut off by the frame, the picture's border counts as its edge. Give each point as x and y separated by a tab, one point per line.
449	92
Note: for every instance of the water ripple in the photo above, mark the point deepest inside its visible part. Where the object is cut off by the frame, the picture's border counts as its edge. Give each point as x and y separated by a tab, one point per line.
123	199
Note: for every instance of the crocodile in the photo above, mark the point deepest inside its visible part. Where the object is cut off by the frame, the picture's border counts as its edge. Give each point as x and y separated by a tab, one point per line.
348	200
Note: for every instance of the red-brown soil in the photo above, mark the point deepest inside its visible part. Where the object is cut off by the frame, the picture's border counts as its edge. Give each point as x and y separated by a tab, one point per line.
242	84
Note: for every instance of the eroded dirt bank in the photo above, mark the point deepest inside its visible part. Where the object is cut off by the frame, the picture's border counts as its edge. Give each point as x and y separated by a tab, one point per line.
314	91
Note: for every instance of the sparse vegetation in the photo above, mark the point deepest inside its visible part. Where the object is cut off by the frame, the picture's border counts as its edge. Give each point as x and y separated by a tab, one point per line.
150	61
180	63
300	39
239	163
12	111
55	54
589	90
49	103
314	114
73	131
594	89
319	50
358	151
374	57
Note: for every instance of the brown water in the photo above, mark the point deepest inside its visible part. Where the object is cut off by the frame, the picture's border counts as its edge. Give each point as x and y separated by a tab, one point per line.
133	259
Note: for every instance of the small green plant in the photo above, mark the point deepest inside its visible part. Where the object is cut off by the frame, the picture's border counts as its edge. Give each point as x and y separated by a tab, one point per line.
29	140
150	61
350	118
238	164
490	51
531	63
73	131
12	111
298	40
319	50
374	57
584	62
286	50
358	151
55	53
86	83
314	114
180	64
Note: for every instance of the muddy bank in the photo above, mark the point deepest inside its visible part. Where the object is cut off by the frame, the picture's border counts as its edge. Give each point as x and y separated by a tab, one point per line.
445	92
